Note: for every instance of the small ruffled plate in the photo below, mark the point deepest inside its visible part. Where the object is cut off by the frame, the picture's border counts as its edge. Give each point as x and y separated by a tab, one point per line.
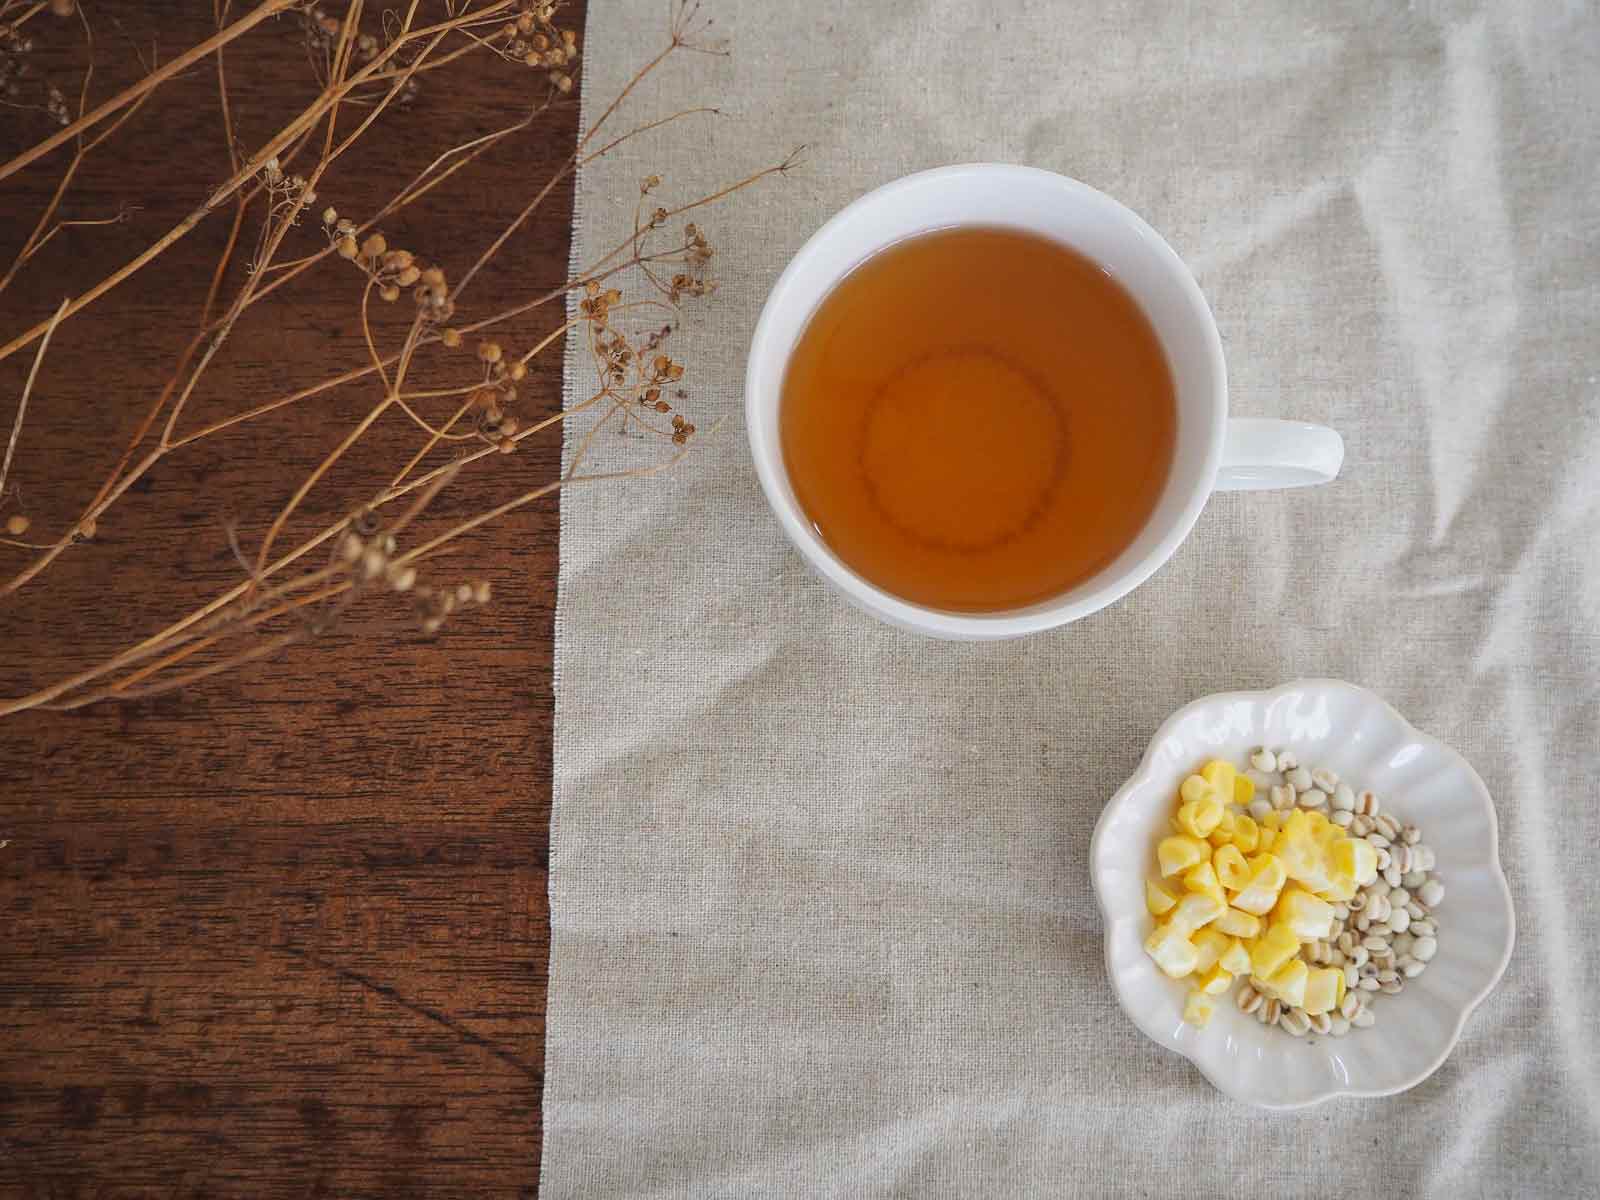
1348	729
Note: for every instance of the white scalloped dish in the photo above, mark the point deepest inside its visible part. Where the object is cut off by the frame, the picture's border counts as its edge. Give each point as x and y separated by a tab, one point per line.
1327	723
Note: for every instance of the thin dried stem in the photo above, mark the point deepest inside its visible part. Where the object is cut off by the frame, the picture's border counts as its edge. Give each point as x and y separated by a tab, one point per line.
428	548
263	650
427	447
27	390
220	10
29	11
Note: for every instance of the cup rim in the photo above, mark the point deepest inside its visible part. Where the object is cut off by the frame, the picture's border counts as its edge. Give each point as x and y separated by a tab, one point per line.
1103	589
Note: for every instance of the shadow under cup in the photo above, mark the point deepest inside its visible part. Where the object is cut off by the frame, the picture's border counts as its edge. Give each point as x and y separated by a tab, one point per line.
1043	205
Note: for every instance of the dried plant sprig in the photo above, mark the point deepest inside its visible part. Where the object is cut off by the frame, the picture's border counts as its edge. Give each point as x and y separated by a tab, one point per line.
464	425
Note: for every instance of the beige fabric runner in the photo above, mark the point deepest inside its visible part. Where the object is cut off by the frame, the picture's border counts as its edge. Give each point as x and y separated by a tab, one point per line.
822	916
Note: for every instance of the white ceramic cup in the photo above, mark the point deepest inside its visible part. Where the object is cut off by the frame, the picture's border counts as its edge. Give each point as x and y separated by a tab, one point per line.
1211	453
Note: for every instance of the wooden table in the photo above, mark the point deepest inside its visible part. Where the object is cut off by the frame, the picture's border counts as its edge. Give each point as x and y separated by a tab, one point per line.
285	932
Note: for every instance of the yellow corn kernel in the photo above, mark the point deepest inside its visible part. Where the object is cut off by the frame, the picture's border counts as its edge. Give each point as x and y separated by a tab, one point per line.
1199	1009
1157	899
1174	953
1237	923
1309	917
1340	890
1213	782
1322	990
1266	839
1246	834
1216	981
1203	879
1210	946
1289	983
1296	823
1257	898
1305	856
1244	790
1199	817
1317	824
1179	853
1356	858
1193	911
1230	867
1220	774
1266	881
1276	947
1273	821
1236	959
1269	866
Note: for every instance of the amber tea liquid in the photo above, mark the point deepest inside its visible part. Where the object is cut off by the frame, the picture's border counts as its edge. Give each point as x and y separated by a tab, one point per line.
977	419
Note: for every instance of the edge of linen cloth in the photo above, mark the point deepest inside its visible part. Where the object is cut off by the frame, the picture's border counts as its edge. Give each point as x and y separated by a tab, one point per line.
569	358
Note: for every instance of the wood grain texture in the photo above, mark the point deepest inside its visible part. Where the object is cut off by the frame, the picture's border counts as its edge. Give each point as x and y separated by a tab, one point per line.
285	933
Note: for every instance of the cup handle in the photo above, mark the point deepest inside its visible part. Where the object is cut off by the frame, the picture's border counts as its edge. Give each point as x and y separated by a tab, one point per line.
1260	453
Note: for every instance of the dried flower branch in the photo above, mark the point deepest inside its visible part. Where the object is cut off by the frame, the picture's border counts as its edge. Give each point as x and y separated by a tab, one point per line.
449	375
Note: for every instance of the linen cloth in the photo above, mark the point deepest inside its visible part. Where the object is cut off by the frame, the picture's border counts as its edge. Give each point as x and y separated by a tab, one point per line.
820	899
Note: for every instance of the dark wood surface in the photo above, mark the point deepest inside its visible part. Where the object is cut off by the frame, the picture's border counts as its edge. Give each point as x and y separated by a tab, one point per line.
284	933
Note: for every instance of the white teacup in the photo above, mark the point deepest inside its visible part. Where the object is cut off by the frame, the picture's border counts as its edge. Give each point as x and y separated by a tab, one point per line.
1212	453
